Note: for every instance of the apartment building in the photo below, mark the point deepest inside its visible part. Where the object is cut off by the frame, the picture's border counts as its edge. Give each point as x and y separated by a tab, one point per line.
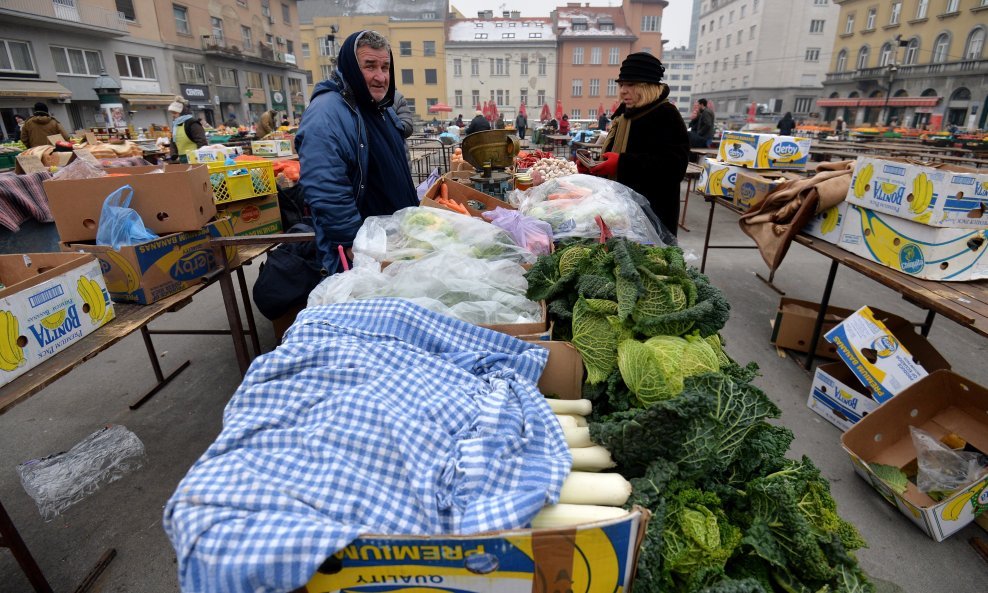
679	63
918	62
509	60
773	53
416	31
592	41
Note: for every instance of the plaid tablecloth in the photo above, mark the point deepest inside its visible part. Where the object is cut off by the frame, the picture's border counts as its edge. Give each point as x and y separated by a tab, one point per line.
22	197
374	416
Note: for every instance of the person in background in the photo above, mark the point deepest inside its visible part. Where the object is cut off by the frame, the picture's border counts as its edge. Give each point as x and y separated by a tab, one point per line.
647	147
702	126
839	128
266	124
564	125
499	124
521	123
284	121
454	130
35	131
18	124
479	123
231	120
602	122
553	126
350	147
459	121
786	124
187	132
404	114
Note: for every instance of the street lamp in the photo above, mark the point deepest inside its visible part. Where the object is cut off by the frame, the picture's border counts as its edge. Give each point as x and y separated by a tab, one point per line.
892	69
110	103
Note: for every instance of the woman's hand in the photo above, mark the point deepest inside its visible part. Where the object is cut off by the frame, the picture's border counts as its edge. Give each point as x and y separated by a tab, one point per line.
608	168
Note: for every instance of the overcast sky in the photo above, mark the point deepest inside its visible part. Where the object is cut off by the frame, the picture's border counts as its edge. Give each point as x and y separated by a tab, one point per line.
675	18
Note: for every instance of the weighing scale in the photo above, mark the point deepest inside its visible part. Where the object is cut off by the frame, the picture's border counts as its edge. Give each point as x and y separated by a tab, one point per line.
491	152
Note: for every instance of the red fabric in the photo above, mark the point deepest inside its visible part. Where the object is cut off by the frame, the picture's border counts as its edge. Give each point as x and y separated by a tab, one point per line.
608	168
559	109
23	197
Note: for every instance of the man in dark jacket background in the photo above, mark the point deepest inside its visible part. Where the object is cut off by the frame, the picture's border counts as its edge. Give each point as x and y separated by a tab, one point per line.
702	126
787	124
351	149
479	123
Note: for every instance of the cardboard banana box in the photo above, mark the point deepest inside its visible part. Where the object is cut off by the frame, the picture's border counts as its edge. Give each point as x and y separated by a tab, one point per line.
827	225
941	403
916	249
717	178
49	301
764	151
942	196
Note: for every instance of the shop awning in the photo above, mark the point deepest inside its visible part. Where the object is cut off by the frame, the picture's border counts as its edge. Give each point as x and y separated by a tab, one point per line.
147	99
837	102
900	102
33	89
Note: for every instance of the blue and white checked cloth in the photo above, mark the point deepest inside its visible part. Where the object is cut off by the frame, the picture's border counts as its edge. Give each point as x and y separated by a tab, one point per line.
374	416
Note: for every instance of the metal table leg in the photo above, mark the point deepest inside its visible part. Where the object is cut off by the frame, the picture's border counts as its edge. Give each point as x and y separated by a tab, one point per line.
161	379
706	238
232	310
10	538
818	324
686	204
255	340
928	324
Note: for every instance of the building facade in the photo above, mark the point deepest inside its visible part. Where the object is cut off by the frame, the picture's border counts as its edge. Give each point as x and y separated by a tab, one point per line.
773	53
592	42
416	32
509	60
911	62
679	63
232	60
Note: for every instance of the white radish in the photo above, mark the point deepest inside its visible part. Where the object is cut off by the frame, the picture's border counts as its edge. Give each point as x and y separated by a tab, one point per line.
577	438
609	489
592	459
578	407
571	515
581	421
566	421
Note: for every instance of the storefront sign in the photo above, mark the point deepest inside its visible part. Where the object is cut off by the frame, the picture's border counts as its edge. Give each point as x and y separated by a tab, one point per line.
279	101
196	93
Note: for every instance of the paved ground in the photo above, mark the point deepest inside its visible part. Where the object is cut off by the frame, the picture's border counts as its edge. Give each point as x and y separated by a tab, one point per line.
181	421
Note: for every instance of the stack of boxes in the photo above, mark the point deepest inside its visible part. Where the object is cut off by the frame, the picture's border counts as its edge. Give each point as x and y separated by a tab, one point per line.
751	166
928	222
247	193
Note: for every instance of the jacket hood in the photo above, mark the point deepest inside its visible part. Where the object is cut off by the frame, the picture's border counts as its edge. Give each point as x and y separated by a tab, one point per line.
42	119
349	79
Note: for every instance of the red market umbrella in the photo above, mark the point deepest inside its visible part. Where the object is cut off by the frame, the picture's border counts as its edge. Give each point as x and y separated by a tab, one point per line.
521	110
752	111
614	107
546	115
494	111
438	107
600	110
559	109
487	110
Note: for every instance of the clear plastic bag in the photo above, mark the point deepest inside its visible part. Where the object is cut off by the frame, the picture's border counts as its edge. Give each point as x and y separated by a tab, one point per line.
571	204
61	480
119	224
532	234
941	470
473	290
412	233
79	169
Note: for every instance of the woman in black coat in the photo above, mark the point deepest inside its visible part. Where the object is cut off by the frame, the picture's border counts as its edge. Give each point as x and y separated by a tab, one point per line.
647	148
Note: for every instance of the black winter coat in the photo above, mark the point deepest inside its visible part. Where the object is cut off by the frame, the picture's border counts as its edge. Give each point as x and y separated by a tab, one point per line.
478	124
654	162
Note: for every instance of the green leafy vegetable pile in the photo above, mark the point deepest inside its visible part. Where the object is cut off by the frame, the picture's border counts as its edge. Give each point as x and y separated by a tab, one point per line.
731	514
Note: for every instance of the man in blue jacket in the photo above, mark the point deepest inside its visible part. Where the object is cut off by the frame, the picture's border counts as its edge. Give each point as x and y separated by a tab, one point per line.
351	148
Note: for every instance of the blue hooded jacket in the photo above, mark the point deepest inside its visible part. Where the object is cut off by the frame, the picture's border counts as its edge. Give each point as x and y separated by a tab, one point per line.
334	155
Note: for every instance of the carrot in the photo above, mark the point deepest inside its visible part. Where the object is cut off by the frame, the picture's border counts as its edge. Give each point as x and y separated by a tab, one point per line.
444	191
452	205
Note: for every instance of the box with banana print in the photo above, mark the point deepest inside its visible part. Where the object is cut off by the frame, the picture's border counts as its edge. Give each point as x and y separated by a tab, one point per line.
764	151
926	252
827	225
48	302
942	196
717	178
952	409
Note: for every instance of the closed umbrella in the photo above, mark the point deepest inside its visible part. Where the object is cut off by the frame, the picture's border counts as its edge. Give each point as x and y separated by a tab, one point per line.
559	109
521	110
752	111
494	111
546	115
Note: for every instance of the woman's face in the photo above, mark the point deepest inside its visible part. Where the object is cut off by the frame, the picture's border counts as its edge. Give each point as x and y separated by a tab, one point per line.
174	114
629	93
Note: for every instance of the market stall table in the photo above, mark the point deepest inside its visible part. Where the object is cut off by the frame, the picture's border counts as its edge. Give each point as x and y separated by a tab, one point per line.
557	141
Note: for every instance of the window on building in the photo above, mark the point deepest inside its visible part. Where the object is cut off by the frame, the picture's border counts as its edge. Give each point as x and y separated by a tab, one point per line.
744	83
539	98
872	15
247	40
474	67
651	24
430	76
542	66
612	87
286	14
216	26
941	48
849	24
727	41
752	31
896	13
480	36
577	87
135	67
523	96
523	65
326	46
457	67
606	26
595	55
577	56
255	81
580	24
912	51
404	48
458	99
475	98
819	2
715	66
975	44
885	56
429	48
181	15
737	61
952	6
816	25
863	54
739	36
841	61
500	67
407	76
125	8
717	43
535	35
81	62
507	35
191	73
747	59
803	104
275	82
754	6
228	77
921	8
499	97
410	101
594	89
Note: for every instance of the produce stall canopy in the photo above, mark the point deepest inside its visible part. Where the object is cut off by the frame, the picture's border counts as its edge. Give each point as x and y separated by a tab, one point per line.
147	99
36	89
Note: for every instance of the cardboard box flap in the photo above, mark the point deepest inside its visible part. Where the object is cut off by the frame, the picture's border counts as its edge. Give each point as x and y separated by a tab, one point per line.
23	270
563	374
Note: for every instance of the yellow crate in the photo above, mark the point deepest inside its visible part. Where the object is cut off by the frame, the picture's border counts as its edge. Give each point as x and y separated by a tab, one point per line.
250	179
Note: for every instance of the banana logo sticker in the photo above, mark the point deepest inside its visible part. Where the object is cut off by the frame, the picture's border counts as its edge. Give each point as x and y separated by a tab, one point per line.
863	181
11	352
762	155
783	151
977	497
715	184
120	276
92	295
922	197
885	346
55	320
830	219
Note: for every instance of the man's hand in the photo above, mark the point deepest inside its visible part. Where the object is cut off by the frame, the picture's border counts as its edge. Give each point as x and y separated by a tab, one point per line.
609	167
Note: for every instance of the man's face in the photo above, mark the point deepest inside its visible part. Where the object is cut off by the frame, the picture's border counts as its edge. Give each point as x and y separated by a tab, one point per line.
375	64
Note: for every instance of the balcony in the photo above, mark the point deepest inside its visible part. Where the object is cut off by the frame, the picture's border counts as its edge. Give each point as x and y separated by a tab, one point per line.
260	52
912	71
63	15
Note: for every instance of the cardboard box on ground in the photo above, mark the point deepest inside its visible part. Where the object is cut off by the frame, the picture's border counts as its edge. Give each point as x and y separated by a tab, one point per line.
48	302
942	403
794	320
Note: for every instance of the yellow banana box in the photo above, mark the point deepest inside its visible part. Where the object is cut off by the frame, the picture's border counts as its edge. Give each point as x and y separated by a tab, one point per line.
930	253
49	302
717	178
942	403
150	271
272	148
764	151
827	225
943	196
254	216
595	558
